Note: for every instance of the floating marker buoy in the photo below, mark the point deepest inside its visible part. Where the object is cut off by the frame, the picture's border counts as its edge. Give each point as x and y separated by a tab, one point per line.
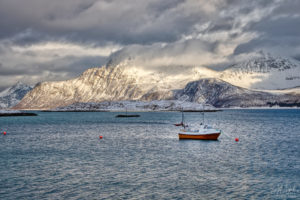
236	139
4	133
100	137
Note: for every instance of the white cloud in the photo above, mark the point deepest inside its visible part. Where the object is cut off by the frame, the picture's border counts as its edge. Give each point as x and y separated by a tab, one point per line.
48	50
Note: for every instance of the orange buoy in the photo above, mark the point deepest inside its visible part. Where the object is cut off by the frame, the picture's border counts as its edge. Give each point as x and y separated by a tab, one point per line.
100	136
4	133
236	139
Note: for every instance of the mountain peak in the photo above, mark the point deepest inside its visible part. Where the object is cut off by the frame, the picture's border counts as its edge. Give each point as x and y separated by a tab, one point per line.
19	85
265	63
12	95
264	71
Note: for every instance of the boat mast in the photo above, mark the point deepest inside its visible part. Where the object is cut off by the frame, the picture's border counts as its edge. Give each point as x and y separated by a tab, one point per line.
203	113
182	117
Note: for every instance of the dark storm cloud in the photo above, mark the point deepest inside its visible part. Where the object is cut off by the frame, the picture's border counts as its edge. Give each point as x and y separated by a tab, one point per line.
69	64
125	22
279	31
287	7
221	27
31	21
29	37
282	27
73	65
60	69
12	71
297	57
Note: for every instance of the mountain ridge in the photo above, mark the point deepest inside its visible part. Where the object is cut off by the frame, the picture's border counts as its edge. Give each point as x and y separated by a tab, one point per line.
13	95
222	94
126	81
265	72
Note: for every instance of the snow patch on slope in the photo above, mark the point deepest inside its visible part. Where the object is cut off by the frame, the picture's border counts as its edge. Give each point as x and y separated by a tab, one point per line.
264	72
163	105
11	96
9	111
294	91
223	94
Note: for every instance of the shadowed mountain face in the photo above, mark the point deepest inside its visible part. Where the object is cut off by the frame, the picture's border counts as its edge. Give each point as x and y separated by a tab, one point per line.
11	96
222	94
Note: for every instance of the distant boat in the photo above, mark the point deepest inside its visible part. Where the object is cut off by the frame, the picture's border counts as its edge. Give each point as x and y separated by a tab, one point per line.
205	132
179	124
182	120
127	115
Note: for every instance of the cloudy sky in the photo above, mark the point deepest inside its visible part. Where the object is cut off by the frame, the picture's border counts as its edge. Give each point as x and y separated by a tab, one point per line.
42	40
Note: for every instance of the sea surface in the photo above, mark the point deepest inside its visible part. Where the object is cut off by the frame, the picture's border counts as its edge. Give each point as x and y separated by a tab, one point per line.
58	155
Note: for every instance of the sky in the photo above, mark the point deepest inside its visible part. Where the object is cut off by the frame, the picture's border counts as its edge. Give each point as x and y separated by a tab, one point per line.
42	40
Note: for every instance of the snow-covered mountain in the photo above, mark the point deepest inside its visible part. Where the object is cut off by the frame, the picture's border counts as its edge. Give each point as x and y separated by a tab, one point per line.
125	80
209	92
264	72
223	94
11	96
111	83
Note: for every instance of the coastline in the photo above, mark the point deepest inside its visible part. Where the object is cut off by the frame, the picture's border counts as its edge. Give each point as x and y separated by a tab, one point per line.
17	114
28	112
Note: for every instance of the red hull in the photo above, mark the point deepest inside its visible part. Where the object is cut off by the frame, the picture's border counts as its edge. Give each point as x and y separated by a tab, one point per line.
212	136
181	124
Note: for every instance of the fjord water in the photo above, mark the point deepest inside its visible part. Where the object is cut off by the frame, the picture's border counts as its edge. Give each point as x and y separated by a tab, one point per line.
60	156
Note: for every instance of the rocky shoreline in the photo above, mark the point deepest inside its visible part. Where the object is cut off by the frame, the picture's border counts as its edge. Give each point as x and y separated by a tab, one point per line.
17	114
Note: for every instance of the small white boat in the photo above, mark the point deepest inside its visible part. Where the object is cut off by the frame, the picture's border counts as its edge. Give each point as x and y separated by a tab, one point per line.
204	132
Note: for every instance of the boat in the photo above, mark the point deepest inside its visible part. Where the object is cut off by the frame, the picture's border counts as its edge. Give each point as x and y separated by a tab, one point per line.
182	120
127	115
204	131
179	124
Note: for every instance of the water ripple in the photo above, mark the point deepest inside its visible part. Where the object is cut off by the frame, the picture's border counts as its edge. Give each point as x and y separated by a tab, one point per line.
60	156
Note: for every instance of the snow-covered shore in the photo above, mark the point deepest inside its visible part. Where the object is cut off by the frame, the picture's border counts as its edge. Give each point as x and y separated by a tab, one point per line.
9	111
157	105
